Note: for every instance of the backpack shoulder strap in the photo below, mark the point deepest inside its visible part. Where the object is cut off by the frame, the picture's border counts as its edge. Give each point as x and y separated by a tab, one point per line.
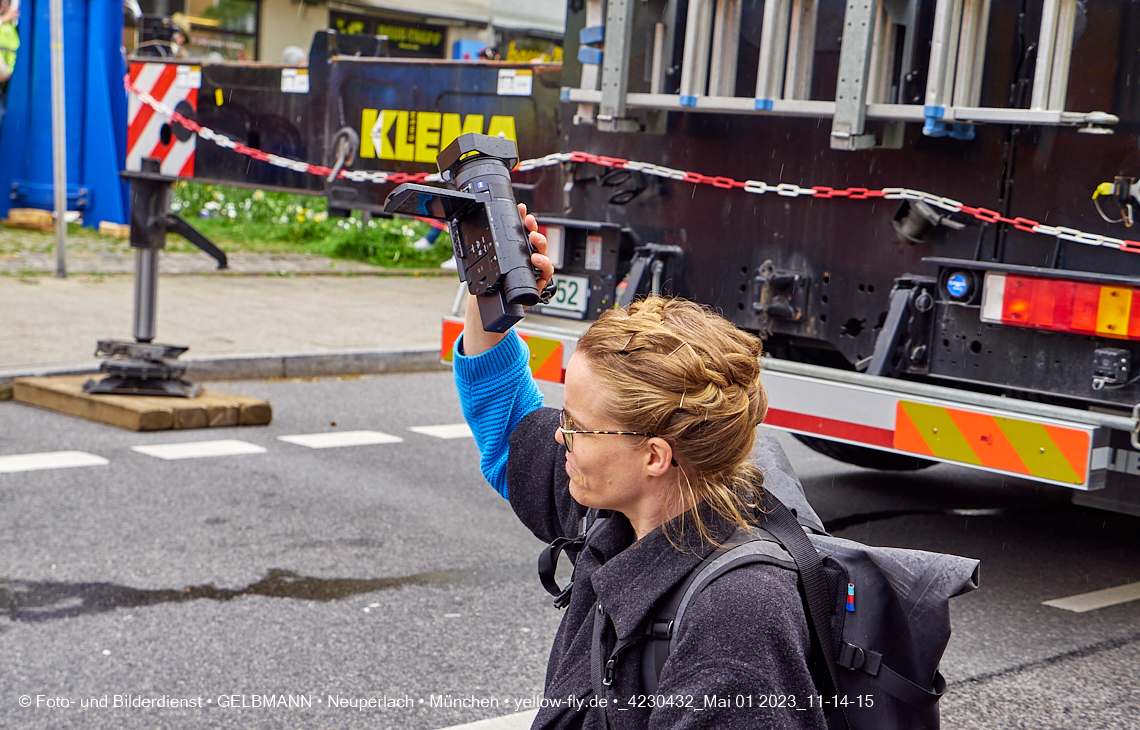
756	550
744	548
784	526
548	558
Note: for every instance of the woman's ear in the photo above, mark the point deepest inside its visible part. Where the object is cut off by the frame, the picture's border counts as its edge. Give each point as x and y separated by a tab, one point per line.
659	457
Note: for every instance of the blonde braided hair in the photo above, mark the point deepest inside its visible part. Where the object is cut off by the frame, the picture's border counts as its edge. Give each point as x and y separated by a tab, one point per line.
686	374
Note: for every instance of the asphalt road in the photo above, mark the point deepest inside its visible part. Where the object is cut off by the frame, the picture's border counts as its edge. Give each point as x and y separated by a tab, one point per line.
393	573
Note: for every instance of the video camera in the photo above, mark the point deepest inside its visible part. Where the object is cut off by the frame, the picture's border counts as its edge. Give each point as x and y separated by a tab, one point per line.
492	246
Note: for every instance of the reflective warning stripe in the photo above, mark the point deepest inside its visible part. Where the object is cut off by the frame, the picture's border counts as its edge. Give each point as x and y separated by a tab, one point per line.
545	358
145	127
1058	452
156	79
997	442
1063	452
451	332
845	430
546	354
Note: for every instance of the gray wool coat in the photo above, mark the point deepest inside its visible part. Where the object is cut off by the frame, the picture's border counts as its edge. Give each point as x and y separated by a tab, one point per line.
745	635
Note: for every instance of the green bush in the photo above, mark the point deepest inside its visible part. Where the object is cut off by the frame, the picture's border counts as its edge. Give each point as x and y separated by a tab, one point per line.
256	220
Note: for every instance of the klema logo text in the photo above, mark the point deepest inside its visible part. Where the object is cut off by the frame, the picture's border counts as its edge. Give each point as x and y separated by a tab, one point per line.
409	136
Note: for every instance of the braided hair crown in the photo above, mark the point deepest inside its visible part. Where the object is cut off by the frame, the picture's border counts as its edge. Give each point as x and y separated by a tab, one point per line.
679	370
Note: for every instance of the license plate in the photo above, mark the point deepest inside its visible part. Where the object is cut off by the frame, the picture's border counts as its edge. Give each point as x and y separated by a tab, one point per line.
573	294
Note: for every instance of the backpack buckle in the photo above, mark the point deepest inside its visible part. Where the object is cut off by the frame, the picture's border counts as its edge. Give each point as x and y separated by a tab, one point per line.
661	629
562	600
608	677
854	657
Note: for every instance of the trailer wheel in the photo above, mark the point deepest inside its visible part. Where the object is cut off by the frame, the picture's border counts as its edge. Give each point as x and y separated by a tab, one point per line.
864	457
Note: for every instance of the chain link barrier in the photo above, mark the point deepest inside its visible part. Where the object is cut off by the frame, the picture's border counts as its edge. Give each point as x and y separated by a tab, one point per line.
788	190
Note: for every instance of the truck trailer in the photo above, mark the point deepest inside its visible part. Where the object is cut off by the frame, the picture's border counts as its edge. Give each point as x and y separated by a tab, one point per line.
923	207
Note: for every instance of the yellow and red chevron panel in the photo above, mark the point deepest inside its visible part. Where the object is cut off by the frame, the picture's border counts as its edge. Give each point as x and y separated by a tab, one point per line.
1039	449
150	134
548	356
1013	445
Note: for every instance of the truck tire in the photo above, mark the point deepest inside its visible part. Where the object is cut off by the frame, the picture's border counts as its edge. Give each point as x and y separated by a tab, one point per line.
864	457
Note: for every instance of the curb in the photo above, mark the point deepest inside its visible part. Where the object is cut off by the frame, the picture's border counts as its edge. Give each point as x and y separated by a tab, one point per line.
266	366
25	264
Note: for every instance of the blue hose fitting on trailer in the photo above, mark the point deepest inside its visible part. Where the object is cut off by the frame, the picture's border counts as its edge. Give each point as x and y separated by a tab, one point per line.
934	127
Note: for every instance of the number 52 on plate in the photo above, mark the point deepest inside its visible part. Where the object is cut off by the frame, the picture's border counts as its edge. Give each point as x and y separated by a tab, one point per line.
573	295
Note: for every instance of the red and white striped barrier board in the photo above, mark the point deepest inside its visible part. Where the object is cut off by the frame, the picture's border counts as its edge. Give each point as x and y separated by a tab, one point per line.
153	135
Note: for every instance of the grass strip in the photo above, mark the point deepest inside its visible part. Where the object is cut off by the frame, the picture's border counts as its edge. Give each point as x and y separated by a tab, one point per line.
239	220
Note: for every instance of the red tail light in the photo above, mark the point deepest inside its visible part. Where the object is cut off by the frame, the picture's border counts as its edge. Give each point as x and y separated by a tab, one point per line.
1061	305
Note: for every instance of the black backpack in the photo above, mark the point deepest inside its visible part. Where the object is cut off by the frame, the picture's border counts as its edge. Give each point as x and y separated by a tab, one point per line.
879	617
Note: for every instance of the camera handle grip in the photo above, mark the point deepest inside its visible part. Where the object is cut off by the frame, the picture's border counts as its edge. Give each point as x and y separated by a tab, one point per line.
551	287
548	292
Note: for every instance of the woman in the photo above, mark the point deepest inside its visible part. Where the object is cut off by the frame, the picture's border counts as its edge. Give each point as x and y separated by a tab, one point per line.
661	404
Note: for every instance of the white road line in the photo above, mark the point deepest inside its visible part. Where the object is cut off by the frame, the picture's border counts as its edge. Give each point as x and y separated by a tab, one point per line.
518	721
447	431
49	460
337	439
1097	599
200	449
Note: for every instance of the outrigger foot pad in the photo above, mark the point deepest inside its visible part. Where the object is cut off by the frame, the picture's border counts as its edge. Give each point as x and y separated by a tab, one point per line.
141	368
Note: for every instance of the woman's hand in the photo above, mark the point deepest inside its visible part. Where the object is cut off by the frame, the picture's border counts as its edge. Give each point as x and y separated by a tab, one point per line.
476	340
540	260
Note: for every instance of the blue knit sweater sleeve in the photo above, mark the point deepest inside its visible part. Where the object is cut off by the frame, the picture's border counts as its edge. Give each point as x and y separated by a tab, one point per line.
496	391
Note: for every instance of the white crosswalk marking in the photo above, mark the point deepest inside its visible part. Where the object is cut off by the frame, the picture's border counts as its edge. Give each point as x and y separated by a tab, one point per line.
517	721
337	439
1097	599
447	431
49	460
200	449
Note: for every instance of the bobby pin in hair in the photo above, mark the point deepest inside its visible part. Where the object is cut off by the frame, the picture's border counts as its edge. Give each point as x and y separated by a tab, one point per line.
674	352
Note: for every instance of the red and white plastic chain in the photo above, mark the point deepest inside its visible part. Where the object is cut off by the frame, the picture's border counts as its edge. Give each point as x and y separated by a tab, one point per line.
820	191
790	190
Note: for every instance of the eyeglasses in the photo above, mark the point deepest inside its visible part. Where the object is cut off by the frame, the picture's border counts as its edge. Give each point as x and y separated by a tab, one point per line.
568	433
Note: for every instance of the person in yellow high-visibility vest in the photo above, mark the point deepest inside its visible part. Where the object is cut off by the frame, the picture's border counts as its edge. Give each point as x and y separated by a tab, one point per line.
9	43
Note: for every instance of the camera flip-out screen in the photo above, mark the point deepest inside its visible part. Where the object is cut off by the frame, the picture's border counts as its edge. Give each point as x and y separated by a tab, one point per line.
425	201
492	246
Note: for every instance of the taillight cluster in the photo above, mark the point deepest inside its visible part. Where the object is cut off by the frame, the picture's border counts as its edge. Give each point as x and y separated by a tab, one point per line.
1062	305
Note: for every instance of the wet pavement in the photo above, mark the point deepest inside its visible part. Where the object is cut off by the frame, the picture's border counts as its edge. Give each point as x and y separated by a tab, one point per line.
393	570
34	602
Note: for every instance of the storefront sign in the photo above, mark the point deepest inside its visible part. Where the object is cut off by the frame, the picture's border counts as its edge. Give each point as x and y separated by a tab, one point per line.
405	40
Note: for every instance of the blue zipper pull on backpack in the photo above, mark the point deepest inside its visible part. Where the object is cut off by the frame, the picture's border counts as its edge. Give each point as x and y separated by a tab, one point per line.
851	597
